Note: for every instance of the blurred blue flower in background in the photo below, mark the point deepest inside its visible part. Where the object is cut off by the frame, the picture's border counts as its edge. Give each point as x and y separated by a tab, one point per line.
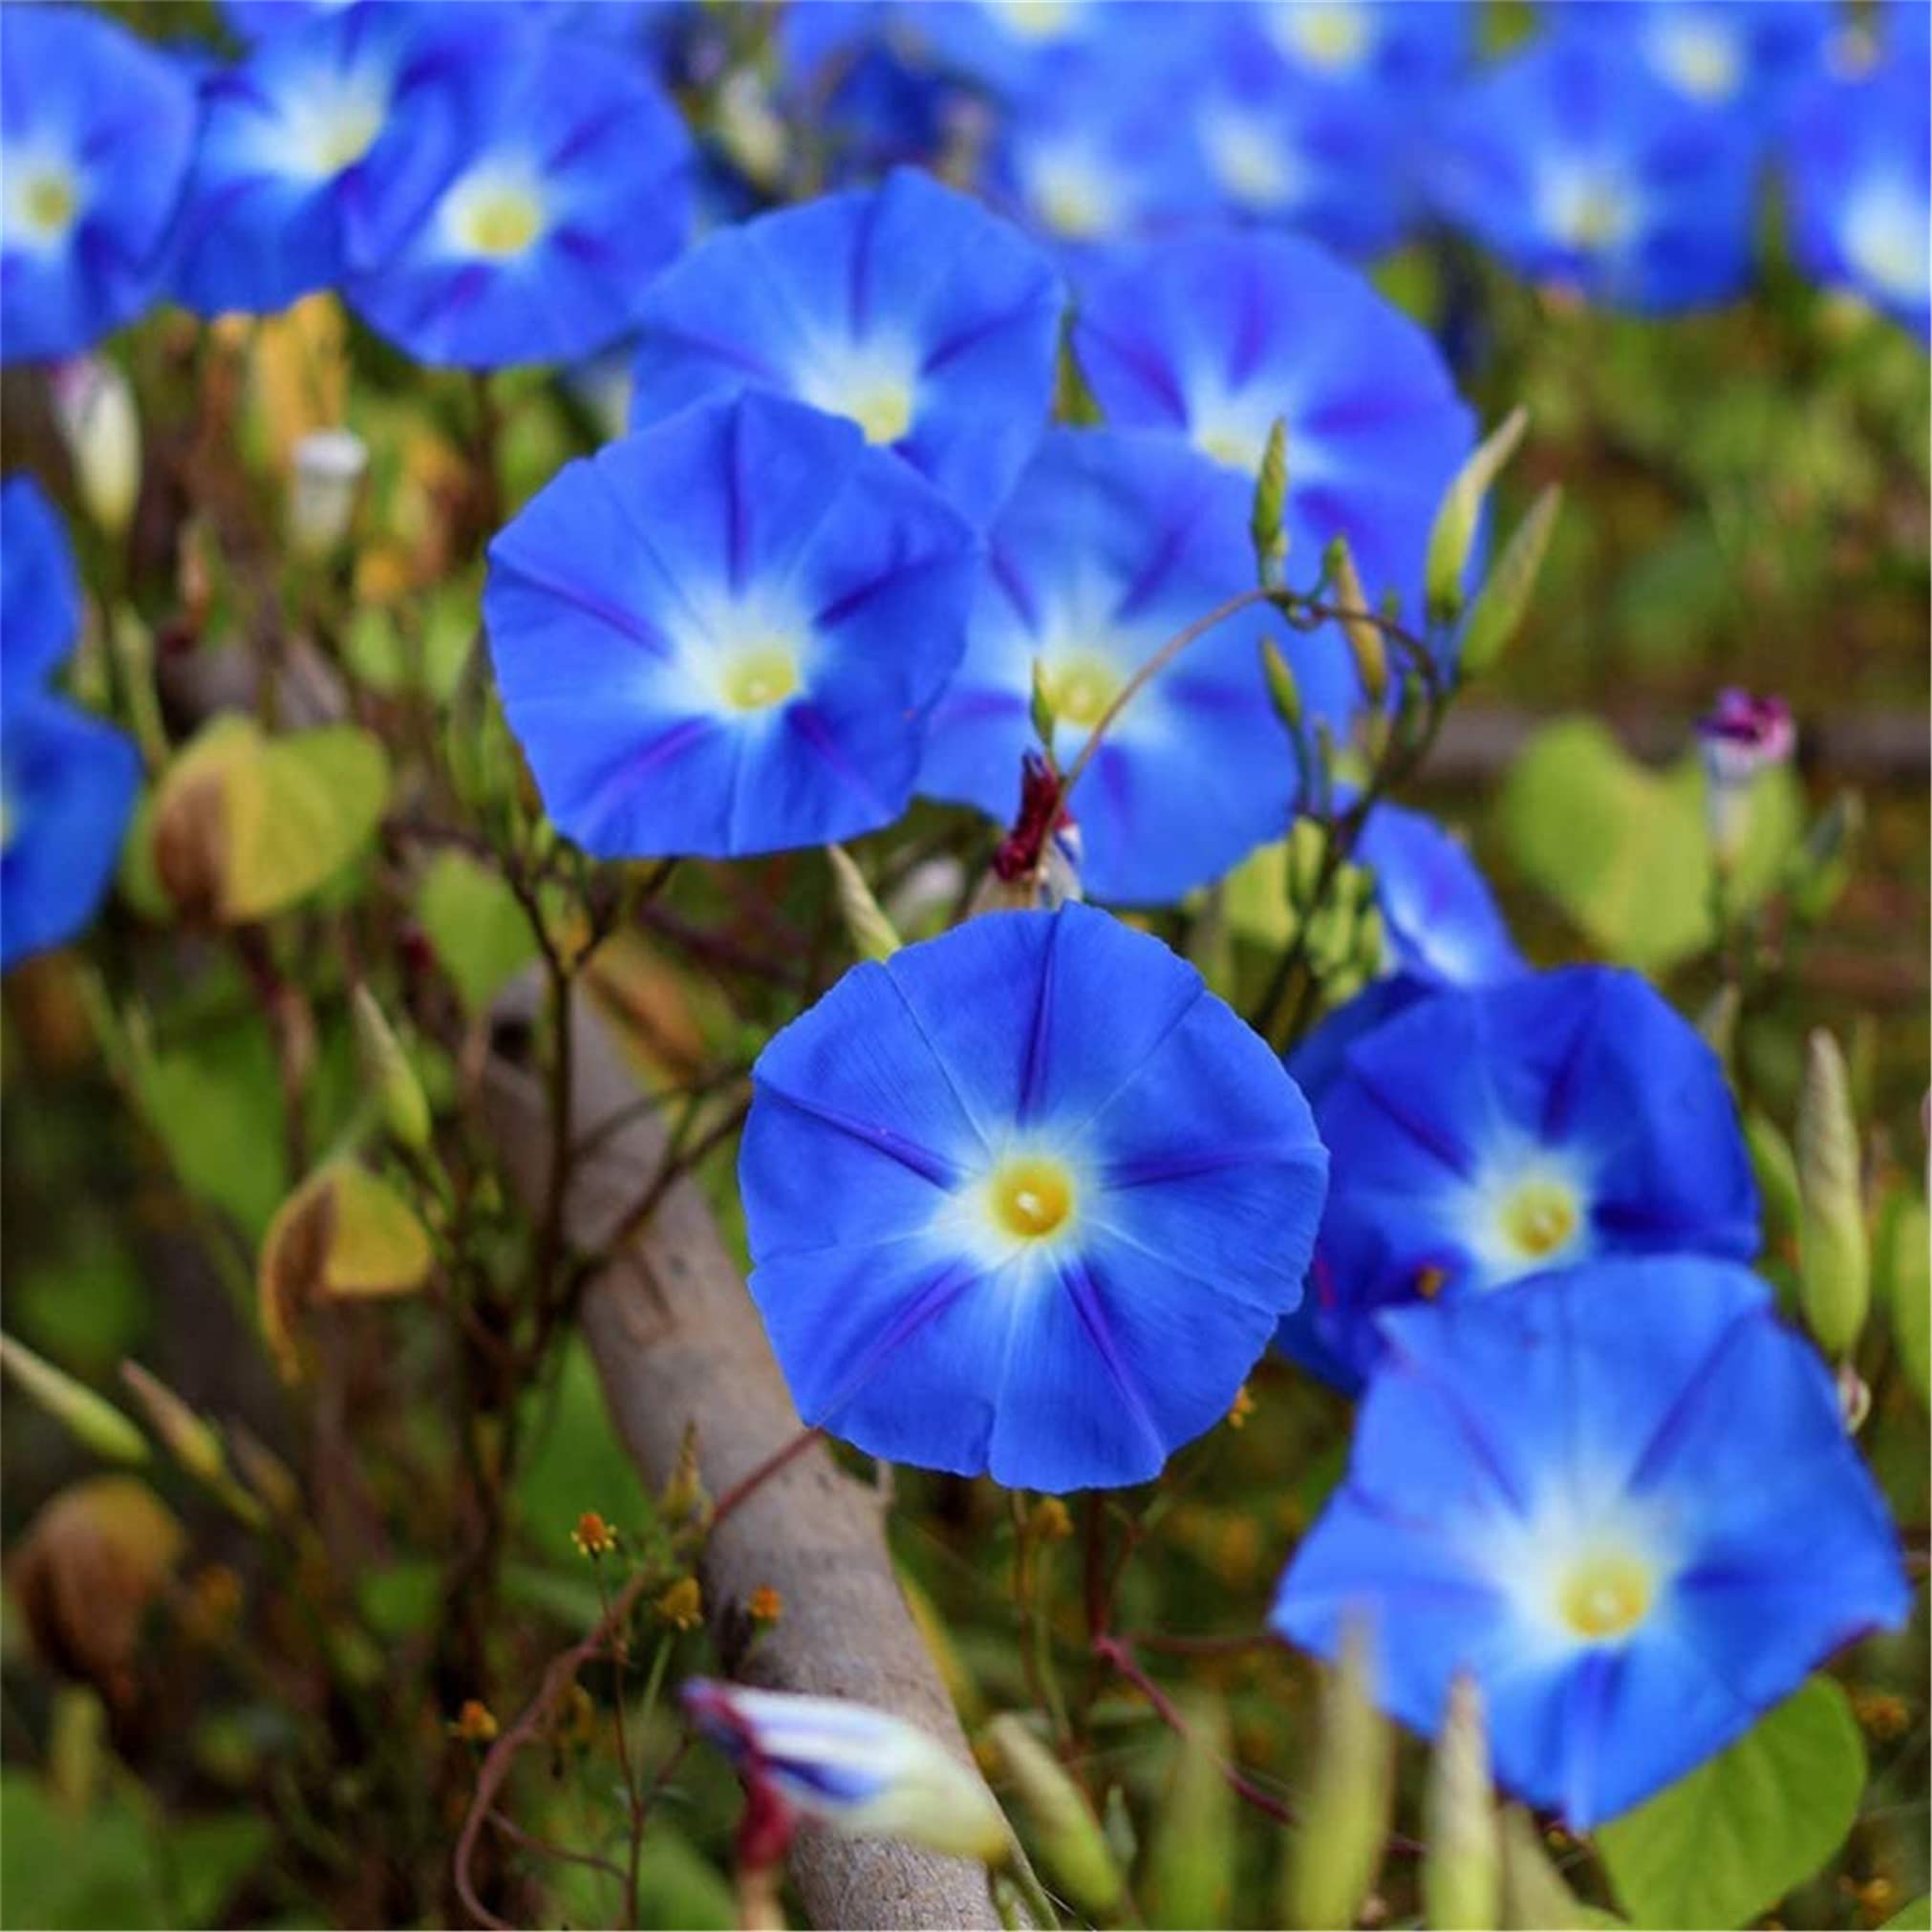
40	587
67	781
1489	1132
1214	337
908	308
1111	545
1027	1199
1581	170
523	214
1746	54
96	130
1624	1501
1408	46
288	141
722	634
263	19
1860	186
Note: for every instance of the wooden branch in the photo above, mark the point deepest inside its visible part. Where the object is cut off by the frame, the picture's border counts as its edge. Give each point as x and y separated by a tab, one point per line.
677	1341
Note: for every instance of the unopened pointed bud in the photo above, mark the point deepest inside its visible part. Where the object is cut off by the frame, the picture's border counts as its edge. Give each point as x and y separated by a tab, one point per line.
1284	692
90	1419
1366	643
1072	1847
389	1074
1336	1847
328	476
1461	1877
866	926
187	1437
1452	536
1270	504
1833	1252
93	406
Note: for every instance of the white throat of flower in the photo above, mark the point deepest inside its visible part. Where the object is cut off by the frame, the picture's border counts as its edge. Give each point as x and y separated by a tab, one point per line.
874	383
496	212
1527	1210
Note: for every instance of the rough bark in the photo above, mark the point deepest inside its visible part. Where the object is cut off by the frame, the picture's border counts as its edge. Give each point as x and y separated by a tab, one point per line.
677	1341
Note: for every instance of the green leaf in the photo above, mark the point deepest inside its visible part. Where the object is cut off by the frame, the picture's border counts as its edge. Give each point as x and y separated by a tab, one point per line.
1624	850
1726	1842
59	1868
216	1109
1913	1917
479	932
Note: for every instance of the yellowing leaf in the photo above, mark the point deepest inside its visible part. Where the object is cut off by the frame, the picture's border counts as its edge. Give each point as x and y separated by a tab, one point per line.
245	824
342	1235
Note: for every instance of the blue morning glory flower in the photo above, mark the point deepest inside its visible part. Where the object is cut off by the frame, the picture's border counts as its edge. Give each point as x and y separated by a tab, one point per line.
1439	917
521	217
1099	153
1860	186
1109	546
1580	169
1027	1199
1016	48
1214	337
95	132
265	19
1624	1501
1716	53
908	308
722	634
1441	927
1406	47
1490	1132
289	140
67	785
40	587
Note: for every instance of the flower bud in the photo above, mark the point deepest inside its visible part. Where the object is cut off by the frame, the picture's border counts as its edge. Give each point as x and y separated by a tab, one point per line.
1072	1848
1366	643
1284	692
1461	1879
1270	500
1040	709
1345	1819
1452	536
389	1074
1833	1253
92	1420
191	1440
1740	736
95	407
1505	597
328	467
858	1770
866	926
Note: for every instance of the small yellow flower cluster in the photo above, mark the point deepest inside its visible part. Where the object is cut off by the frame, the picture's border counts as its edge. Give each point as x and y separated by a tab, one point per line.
594	1537
474	1723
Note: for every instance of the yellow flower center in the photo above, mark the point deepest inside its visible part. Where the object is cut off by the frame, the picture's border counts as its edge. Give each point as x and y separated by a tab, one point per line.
884	411
345	136
1699	59
502	221
1605	1593
47	202
1030	1198
1328	33
1539	1217
1080	690
1593	216
757	678
1235	448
